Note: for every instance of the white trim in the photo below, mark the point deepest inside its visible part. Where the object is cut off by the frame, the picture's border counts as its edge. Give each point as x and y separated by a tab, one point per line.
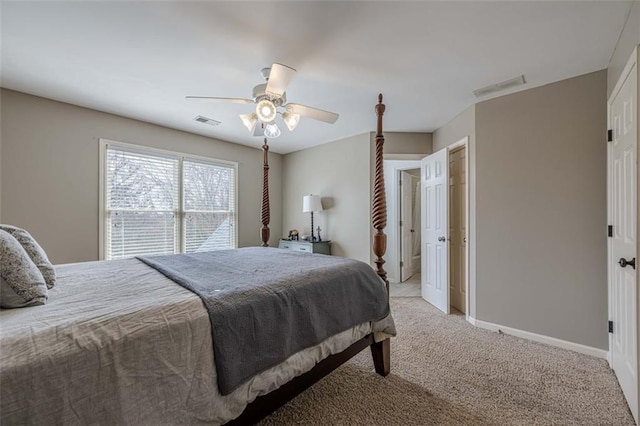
577	347
144	149
181	244
609	203
462	142
627	68
101	198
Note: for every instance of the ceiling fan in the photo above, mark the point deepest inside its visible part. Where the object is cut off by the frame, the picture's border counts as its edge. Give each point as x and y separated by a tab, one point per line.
270	99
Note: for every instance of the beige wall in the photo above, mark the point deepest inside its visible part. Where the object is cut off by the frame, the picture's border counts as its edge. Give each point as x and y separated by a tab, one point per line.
629	38
404	143
339	172
50	172
342	173
541	210
464	125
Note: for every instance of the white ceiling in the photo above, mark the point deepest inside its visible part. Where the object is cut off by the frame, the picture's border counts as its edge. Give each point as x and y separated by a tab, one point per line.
139	59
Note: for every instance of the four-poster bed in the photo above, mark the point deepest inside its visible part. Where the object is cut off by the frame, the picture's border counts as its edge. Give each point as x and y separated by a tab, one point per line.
119	342
380	351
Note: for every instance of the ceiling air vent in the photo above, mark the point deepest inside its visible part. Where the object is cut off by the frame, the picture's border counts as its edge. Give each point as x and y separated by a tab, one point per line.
205	120
503	85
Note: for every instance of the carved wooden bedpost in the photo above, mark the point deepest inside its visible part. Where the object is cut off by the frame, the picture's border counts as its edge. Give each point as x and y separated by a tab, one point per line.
265	214
379	210
381	351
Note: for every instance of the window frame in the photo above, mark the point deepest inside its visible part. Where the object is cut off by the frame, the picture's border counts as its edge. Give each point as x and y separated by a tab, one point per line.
180	214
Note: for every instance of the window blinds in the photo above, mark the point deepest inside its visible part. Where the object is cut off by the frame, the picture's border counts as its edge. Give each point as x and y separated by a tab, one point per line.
209	211
162	204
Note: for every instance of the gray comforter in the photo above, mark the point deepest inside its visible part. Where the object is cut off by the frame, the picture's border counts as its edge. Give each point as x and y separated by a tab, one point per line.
118	343
266	304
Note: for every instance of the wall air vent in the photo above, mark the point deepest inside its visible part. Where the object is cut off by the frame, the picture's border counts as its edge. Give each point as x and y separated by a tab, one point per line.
503	85
205	120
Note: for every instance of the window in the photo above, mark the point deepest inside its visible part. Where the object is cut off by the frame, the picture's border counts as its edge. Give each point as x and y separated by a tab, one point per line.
157	202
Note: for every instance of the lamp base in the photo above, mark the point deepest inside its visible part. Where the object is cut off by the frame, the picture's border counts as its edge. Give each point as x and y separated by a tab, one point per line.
313	237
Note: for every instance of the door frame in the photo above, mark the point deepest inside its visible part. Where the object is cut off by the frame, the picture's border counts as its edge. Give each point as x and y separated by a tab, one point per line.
392	165
634	60
463	143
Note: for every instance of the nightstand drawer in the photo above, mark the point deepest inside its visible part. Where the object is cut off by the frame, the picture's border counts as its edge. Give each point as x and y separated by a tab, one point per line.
321	247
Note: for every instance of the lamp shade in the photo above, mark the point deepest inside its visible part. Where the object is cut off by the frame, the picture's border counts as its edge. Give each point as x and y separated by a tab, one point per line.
311	203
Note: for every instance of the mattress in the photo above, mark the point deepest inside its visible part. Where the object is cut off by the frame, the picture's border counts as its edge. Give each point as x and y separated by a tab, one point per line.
119	343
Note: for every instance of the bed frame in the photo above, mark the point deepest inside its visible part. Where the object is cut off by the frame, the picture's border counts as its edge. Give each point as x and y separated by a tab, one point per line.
380	351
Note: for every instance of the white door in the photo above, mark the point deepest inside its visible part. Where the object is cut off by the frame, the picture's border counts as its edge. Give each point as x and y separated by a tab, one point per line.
622	169
457	231
434	173
406	244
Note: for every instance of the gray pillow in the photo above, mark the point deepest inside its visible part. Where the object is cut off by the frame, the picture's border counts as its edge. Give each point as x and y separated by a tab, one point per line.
21	283
35	252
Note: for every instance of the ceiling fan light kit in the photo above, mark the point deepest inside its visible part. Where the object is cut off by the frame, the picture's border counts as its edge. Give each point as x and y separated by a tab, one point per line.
270	96
290	119
271	131
249	120
266	111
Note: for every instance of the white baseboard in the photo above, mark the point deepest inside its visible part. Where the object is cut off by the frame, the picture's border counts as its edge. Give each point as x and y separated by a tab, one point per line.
577	347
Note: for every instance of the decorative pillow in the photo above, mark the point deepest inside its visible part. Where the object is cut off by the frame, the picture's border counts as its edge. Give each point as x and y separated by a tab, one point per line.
35	252
21	284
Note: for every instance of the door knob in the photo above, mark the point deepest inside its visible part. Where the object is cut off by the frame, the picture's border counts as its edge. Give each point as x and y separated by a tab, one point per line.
442	239
413	230
624	262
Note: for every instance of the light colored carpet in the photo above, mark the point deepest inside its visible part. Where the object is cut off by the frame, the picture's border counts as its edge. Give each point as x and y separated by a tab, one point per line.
409	288
444	371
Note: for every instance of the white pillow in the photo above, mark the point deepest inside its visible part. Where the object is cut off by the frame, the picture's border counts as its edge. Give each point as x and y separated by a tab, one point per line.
35	252
21	283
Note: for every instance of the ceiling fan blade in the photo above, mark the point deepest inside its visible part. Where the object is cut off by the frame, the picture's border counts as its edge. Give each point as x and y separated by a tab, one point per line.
212	99
279	78
315	113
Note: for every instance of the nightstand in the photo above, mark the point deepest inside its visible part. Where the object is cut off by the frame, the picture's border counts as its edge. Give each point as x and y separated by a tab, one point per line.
322	247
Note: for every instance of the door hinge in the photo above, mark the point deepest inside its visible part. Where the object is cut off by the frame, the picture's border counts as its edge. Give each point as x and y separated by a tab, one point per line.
400	223
610	326
610	135
610	230
401	263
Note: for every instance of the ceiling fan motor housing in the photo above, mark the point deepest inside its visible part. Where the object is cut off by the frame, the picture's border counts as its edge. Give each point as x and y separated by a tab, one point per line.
259	93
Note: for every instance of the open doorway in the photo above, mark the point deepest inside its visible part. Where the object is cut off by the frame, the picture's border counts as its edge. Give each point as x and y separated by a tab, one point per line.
409	208
403	265
409	224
